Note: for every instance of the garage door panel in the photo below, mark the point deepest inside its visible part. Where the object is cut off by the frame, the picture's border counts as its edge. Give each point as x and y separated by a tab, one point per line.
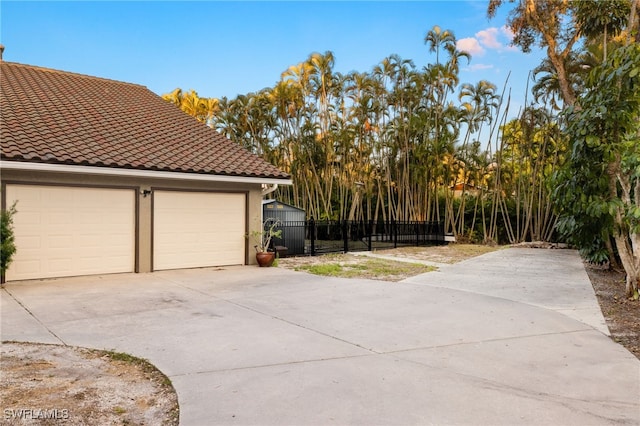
60	265
115	242
20	267
30	243
56	241
67	231
197	229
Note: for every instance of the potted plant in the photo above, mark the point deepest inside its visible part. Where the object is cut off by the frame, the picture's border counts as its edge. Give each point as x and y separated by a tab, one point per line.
264	255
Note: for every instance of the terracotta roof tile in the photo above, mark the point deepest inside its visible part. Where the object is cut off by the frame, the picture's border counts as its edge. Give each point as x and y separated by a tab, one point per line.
57	117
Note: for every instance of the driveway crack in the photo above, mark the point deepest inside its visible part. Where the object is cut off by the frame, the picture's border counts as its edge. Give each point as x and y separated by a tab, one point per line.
303	327
278	364
34	317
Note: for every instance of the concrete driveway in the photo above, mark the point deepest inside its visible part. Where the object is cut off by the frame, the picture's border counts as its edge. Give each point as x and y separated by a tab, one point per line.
511	337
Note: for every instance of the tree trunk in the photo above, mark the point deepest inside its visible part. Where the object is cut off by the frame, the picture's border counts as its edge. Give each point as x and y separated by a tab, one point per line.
627	241
613	261
634	21
568	96
630	262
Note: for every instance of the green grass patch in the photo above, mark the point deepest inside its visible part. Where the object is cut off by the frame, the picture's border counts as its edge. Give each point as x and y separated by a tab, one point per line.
119	410
143	363
327	269
360	267
121	356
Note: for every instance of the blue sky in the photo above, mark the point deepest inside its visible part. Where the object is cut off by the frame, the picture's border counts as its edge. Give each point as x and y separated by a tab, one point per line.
229	48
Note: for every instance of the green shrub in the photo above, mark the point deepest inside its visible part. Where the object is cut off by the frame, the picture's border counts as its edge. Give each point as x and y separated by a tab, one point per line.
7	239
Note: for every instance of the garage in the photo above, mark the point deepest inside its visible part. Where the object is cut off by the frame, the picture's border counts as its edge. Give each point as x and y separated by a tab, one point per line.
121	180
66	231
198	229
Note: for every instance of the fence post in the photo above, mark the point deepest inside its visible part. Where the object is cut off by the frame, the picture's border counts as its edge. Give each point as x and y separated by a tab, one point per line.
312	235
394	232
416	228
370	232
345	237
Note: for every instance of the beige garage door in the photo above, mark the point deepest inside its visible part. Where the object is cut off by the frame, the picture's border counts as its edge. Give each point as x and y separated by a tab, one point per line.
67	231
197	229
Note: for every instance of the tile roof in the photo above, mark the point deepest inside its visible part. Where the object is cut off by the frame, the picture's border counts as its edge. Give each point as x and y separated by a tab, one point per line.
50	116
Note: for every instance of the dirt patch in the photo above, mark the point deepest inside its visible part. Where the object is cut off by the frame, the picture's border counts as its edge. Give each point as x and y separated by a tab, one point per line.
449	253
622	315
53	384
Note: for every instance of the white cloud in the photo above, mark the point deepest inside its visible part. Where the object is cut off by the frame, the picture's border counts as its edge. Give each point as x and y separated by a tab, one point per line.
510	35
507	32
479	67
471	46
489	38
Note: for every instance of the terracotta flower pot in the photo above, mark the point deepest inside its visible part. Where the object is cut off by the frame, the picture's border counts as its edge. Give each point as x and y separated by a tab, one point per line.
265	258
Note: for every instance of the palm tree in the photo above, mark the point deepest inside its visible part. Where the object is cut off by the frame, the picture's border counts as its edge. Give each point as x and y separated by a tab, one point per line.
193	105
211	109
453	64
482	101
437	38
174	97
601	19
547	83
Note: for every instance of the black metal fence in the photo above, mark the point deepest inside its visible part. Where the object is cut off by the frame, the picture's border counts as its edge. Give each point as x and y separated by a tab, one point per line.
318	237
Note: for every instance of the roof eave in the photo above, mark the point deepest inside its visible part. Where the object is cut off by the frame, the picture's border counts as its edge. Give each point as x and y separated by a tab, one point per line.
112	171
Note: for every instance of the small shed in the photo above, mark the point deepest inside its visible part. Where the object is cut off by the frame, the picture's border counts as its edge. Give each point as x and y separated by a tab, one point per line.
293	224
